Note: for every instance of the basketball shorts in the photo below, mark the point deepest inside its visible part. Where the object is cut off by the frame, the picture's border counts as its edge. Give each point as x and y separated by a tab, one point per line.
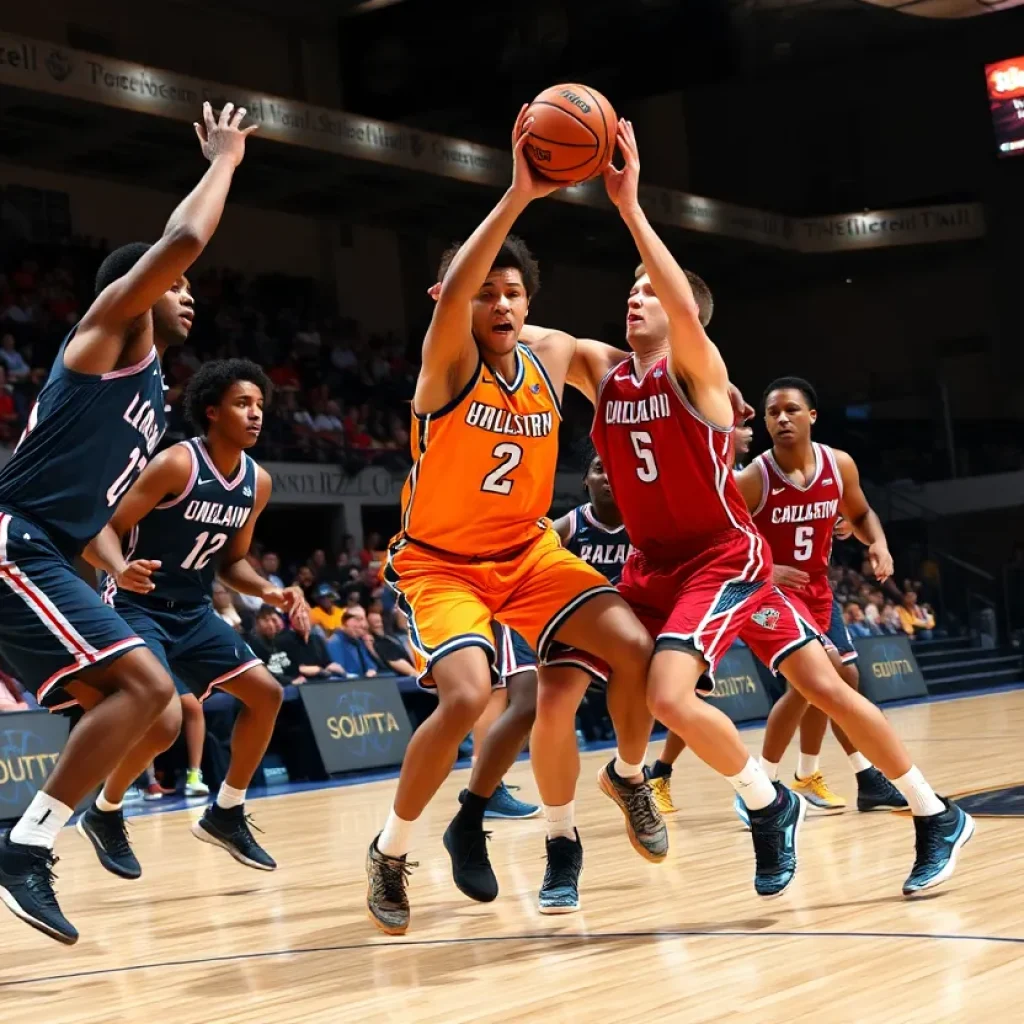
197	647
515	655
451	600
53	625
827	614
720	595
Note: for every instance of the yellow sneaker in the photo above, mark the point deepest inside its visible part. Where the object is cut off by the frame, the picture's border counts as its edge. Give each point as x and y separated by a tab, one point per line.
662	790
814	789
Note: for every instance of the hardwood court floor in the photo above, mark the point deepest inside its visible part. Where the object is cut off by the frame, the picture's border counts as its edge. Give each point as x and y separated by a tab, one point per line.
201	939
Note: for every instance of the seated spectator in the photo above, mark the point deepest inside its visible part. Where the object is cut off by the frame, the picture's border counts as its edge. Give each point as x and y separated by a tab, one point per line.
856	623
10	423
348	646
916	622
12	360
309	658
318	563
224	606
305	580
890	622
325	613
265	645
271	567
389	651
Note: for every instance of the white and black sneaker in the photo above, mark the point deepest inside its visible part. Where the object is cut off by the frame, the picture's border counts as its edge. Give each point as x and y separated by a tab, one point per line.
108	833
26	889
230	829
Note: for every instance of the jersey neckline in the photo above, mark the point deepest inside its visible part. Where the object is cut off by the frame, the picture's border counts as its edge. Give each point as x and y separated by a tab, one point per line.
818	464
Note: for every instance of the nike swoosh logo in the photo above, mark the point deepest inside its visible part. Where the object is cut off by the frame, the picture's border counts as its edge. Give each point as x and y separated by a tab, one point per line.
622	376
778	490
200	481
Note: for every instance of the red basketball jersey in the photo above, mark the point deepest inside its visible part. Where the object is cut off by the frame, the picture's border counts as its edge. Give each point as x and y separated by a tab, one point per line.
797	521
670	470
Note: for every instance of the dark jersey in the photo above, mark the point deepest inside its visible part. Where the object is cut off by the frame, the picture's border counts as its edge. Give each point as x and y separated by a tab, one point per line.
606	548
187	533
88	438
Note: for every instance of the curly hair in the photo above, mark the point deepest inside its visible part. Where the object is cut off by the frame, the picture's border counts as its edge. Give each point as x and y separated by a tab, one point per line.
513	253
210	383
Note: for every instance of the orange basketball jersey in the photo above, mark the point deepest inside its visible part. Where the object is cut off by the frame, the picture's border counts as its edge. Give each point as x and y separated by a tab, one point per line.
484	465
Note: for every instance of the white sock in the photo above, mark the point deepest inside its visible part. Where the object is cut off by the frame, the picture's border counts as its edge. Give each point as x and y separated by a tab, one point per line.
771	769
921	797
228	797
561	820
103	804
858	762
41	823
753	785
396	838
151	775
807	765
624	770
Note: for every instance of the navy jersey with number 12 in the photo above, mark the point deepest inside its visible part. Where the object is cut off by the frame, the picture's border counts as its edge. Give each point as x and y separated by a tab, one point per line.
188	533
606	548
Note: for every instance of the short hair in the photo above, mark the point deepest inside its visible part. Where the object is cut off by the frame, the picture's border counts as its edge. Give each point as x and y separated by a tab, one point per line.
265	610
210	383
701	293
792	384
119	262
514	253
348	614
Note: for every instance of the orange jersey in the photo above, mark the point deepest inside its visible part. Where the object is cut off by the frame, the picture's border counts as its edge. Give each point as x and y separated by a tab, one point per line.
484	465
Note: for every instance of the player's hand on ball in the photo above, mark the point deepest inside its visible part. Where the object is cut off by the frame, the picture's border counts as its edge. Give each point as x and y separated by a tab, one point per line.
623	186
222	137
790	578
843	530
525	179
135	576
881	561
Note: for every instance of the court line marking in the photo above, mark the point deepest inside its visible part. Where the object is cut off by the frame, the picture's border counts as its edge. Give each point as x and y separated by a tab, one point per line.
682	933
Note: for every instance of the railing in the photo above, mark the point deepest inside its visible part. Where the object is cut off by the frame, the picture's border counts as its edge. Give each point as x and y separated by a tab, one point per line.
970	595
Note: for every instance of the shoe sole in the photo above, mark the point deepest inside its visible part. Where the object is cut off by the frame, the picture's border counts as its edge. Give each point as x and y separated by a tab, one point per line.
492	815
196	792
881	807
16	909
208	837
608	788
101	855
796	857
947	872
486	897
551	911
387	929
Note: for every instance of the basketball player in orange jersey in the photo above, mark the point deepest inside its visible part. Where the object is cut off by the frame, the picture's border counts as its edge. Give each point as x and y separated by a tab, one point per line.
475	545
700	575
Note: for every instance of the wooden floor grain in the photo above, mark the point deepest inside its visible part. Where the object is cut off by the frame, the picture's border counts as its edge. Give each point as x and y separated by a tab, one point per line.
201	939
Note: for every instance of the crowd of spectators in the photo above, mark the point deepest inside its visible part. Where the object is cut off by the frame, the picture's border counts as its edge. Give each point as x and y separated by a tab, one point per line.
873	609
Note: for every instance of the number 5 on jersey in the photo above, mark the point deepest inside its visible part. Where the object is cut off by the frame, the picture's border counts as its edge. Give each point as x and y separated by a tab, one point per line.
643	445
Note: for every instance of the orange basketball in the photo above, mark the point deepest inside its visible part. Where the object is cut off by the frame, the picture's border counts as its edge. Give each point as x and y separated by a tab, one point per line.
573	135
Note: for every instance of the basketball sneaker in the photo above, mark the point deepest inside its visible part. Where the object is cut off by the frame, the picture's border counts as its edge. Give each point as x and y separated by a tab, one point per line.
230	829
939	838
560	890
471	866
154	791
26	887
194	785
644	824
876	793
108	833
775	830
386	881
661	788
741	811
504	805
814	789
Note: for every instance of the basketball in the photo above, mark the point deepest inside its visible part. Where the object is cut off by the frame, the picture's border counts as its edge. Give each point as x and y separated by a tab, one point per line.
573	134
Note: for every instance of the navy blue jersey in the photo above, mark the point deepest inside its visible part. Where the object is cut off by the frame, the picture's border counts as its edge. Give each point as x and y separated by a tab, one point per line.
88	438
606	548
187	533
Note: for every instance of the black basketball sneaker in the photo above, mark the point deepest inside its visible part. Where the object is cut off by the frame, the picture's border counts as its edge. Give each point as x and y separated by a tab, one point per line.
229	828
26	888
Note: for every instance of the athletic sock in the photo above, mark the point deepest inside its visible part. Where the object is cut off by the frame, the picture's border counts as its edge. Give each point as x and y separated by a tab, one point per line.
229	797
626	771
561	820
41	823
807	765
753	785
771	769
858	762
395	839
661	770
471	813
921	797
105	805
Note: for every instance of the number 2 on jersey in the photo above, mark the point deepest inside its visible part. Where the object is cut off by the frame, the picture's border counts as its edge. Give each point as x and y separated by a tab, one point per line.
198	558
643	446
117	489
511	455
804	543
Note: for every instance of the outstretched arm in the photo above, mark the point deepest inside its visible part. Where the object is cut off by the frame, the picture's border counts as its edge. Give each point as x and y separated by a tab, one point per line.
695	357
99	340
867	527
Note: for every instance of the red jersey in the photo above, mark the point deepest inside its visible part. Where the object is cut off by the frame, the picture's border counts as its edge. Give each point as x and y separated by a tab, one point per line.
670	470
798	521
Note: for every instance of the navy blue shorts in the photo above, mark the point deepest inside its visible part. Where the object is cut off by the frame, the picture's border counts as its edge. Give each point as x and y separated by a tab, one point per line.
197	647
53	625
515	655
839	635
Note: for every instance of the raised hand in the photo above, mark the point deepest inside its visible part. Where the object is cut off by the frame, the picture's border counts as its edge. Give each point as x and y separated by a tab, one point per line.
623	186
881	561
292	602
135	576
222	137
525	179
